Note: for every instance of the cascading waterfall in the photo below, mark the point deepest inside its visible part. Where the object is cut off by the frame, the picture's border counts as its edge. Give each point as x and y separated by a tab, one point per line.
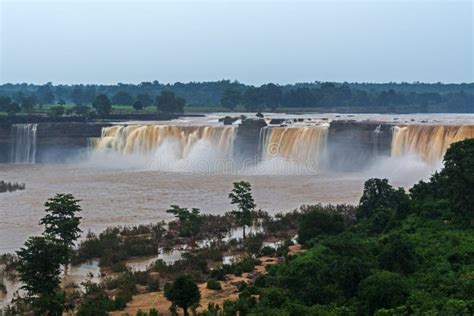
300	144
375	139
24	143
182	147
428	142
147	139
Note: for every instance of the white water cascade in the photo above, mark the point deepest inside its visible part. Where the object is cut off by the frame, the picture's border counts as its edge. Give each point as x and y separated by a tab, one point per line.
24	143
170	147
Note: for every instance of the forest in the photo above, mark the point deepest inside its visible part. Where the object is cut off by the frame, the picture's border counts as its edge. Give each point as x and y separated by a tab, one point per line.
233	95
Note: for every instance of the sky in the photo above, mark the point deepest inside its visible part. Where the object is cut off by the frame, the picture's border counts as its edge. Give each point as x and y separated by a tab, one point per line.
254	42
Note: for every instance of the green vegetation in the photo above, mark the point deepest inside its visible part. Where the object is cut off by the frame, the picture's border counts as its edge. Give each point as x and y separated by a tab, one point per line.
213	284
183	292
406	254
10	187
189	221
39	261
61	223
241	195
396	253
168	102
226	95
39	268
102	104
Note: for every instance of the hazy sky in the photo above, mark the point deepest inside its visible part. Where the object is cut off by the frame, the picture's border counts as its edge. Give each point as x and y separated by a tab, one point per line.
74	41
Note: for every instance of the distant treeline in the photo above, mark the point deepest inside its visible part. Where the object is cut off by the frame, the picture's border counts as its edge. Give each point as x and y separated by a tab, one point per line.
397	97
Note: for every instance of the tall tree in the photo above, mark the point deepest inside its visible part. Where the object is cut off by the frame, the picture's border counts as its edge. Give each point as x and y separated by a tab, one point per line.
231	98
241	196
62	223
102	104
457	178
123	98
39	264
28	103
168	102
145	99
45	94
272	95
138	105
190	221
77	95
183	292
4	102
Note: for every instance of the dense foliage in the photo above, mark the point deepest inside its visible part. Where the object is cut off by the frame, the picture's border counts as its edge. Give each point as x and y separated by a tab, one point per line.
406	254
183	292
393	97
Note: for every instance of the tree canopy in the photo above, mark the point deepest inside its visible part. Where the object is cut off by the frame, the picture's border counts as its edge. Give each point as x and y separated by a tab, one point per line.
183	292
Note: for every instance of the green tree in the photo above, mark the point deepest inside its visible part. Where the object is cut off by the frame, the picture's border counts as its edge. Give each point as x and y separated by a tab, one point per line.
28	104
457	178
39	269
272	95
241	196
81	110
378	193
397	254
168	102
45	94
62	223
253	99
95	301
230	98
183	292
382	290
12	109
56	111
190	222
318	221
102	104
144	99
4	102
123	98
138	105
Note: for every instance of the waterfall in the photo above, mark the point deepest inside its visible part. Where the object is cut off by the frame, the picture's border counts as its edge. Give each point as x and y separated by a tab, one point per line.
24	143
428	142
300	144
375	139
147	139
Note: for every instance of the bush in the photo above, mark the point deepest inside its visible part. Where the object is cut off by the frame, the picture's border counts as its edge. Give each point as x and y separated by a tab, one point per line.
119	267
153	312
253	244
382	290
153	284
319	221
238	271
213	284
267	251
397	255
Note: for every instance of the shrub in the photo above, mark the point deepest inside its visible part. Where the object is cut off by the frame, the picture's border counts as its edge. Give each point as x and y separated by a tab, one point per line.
153	284
319	221
382	290
213	284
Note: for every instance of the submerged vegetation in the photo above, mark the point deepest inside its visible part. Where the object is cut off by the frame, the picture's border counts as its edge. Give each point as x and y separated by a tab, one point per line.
395	253
11	187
